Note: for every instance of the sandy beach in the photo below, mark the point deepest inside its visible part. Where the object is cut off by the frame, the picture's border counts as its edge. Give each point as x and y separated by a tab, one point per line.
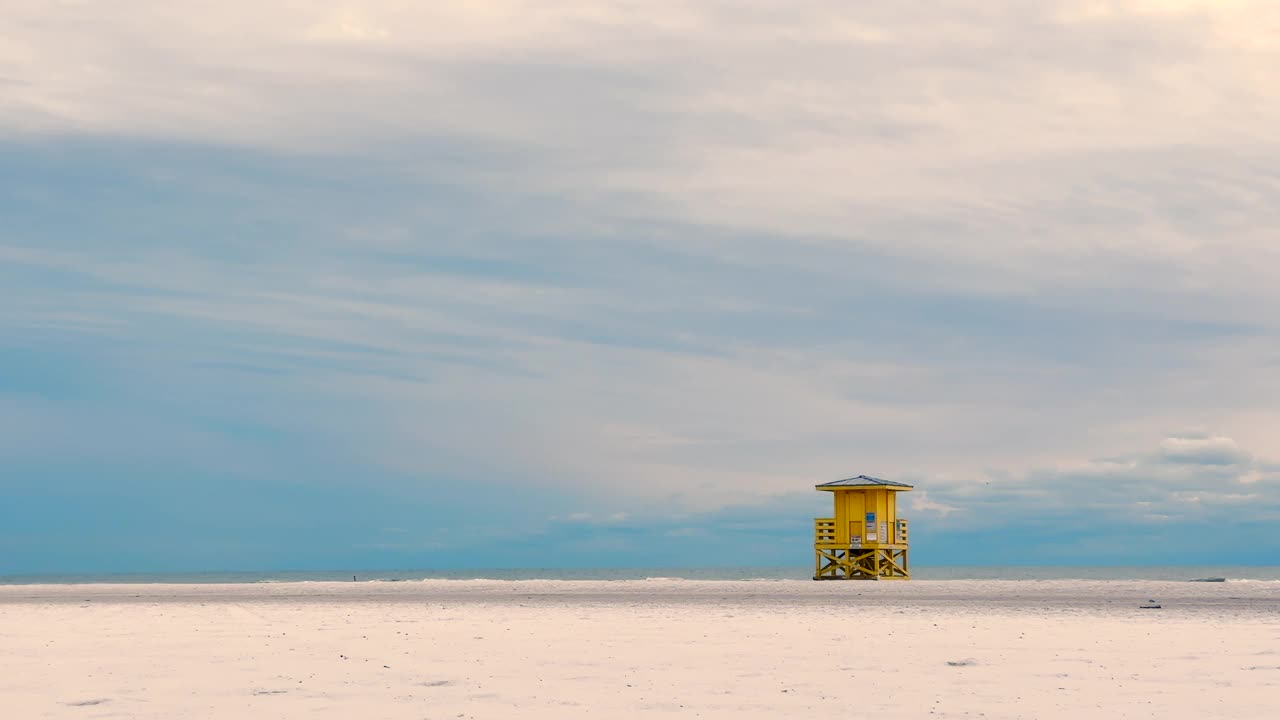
652	648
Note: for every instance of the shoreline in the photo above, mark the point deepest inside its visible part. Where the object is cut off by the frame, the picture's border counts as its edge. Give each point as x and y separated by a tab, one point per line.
1092	597
1233	574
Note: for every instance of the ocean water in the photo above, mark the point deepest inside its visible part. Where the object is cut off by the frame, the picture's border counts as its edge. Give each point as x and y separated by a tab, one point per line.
1163	573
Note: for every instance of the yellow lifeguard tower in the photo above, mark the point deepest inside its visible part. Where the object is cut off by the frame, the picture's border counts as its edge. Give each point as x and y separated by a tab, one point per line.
866	540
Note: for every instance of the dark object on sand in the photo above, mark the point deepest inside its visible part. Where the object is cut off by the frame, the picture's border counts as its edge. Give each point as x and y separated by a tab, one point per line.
1210	580
1153	606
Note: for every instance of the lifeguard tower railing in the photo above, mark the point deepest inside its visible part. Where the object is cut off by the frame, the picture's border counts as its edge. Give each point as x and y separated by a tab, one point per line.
825	534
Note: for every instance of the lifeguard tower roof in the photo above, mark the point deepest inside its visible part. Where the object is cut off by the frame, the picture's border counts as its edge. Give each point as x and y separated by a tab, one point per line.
863	481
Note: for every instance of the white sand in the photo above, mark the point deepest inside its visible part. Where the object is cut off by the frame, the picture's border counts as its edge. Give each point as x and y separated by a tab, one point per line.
551	649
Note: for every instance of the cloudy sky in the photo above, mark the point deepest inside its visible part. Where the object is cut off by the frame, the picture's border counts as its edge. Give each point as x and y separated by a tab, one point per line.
323	284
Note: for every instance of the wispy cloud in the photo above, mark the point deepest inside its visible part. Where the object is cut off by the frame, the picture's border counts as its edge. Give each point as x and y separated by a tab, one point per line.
1195	478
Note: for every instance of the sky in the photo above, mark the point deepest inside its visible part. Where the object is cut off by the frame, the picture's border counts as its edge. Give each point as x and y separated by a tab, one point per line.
310	284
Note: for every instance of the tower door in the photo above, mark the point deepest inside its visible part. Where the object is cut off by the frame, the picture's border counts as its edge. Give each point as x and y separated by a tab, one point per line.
856	538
